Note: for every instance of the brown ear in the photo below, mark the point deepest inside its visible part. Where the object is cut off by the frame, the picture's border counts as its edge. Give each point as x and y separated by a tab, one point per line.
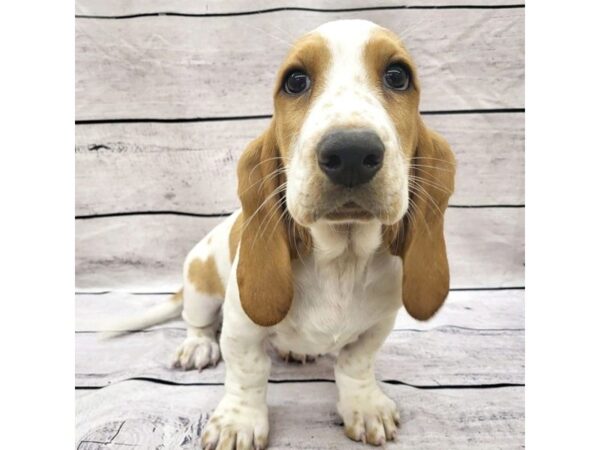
264	273
419	238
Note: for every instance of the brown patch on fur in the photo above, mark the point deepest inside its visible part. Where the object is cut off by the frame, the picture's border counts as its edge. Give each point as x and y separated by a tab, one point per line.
177	297
311	55
205	277
264	271
419	238
234	236
381	50
270	238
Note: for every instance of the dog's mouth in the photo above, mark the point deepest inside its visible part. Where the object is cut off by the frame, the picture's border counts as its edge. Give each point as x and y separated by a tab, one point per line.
349	211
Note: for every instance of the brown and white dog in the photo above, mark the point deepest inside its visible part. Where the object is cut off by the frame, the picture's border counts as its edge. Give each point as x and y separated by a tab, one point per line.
341	224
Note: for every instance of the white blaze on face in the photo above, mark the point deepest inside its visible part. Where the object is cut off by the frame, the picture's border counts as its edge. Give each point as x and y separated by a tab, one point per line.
349	98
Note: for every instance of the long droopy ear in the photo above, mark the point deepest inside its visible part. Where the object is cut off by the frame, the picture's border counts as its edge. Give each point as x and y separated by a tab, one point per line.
419	238
264	272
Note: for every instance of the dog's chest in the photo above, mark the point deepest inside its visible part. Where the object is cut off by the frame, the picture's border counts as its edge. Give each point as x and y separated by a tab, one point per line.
336	302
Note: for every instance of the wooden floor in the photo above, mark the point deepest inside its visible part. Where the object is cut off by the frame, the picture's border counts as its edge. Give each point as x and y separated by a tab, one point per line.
162	116
457	379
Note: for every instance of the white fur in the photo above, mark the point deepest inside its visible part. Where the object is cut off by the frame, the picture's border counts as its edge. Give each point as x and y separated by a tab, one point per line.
342	289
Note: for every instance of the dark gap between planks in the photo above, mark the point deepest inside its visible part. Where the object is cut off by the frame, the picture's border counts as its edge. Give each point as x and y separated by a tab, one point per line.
312	380
226	214
299	8
268	116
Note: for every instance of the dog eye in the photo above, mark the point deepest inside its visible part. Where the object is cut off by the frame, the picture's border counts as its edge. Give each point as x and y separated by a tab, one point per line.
397	77
296	83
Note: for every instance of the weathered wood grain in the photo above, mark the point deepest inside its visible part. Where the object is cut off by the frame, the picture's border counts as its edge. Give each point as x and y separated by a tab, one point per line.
485	310
137	414
442	356
173	67
145	253
120	7
191	167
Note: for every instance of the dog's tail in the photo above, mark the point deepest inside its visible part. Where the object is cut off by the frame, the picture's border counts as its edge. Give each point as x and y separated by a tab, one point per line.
153	316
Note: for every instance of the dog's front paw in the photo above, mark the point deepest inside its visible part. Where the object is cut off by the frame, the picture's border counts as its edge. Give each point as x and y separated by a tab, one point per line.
235	424
369	417
197	352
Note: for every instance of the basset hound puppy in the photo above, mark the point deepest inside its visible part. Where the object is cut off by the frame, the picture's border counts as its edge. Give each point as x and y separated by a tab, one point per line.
341	224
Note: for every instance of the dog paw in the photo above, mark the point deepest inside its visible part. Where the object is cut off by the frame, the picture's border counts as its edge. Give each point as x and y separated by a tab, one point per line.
197	352
372	418
293	357
234	424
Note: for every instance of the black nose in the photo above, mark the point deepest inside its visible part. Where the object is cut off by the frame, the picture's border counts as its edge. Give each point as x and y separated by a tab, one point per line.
350	157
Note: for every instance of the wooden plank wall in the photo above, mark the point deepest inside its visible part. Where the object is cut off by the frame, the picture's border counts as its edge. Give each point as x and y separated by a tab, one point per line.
161	118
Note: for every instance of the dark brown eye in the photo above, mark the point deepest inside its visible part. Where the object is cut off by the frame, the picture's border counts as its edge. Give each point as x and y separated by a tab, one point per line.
296	83
397	77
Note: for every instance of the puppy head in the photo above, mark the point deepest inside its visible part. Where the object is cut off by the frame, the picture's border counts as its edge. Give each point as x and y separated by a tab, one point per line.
347	118
346	144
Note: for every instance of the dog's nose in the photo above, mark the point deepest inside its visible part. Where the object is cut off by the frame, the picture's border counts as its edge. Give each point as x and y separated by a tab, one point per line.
350	157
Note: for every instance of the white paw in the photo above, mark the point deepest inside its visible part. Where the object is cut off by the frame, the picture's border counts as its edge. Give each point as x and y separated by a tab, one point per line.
236	425
370	417
197	352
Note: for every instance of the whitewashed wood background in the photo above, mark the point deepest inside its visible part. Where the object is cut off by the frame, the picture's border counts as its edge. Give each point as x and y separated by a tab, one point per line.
161	118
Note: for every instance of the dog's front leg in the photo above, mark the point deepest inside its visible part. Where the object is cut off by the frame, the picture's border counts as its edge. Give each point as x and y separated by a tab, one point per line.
368	414
240	420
